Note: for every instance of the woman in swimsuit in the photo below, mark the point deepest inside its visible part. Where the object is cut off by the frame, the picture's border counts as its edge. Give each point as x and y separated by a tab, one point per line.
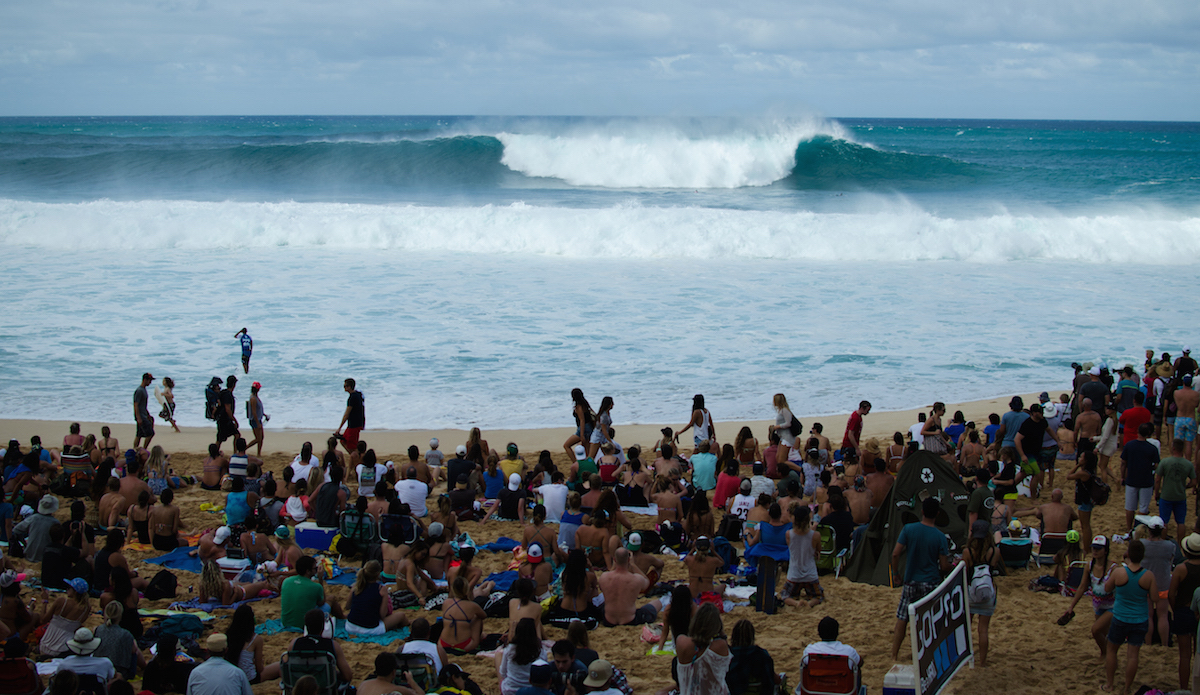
108	445
166	398
594	540
1099	569
895	453
139	517
579	587
92	451
585	422
634	488
538	532
215	466
394	551
745	447
256	542
215	587
473	575
72	439
462	619
524	605
699	520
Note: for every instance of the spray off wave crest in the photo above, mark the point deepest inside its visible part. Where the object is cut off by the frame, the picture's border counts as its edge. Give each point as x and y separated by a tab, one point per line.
626	231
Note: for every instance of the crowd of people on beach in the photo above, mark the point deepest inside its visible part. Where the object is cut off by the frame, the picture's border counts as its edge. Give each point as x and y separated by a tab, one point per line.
596	536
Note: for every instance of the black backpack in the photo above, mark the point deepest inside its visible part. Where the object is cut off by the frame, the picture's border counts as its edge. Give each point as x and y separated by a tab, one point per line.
795	427
211	394
162	585
1100	491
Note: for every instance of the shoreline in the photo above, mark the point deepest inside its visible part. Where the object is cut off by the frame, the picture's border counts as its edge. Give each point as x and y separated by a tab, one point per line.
879	424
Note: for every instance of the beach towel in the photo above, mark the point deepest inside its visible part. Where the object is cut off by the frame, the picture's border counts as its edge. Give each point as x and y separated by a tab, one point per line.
503	544
178	559
503	580
164	612
191	539
649	510
272	627
209	606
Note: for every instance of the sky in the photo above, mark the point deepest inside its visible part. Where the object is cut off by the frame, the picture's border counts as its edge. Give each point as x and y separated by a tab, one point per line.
1065	59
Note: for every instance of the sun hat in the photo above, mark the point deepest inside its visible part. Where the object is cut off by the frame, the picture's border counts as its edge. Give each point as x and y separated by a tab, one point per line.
534	554
514	482
80	585
1164	369
980	528
461	450
580	452
1072	536
634	542
48	505
1100	541
600	672
1191	545
85	642
221	535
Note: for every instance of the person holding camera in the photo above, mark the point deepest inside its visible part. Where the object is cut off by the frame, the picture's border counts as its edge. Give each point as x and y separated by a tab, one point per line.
384	681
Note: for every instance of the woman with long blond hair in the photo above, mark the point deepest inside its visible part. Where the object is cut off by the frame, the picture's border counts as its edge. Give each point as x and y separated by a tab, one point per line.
369	607
215	587
783	426
67	613
703	654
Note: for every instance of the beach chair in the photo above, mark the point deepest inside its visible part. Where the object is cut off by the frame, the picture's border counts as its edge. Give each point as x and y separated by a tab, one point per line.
1051	544
423	669
1016	552
319	665
1074	575
829	674
388	521
358	529
830	558
19	677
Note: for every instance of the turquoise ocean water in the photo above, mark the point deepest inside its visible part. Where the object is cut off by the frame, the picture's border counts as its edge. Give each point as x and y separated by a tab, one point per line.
474	270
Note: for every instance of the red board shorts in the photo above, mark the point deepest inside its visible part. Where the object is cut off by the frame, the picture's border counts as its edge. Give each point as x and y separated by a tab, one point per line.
350	437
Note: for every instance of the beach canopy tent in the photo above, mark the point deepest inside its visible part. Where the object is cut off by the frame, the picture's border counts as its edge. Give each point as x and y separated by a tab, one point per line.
921	475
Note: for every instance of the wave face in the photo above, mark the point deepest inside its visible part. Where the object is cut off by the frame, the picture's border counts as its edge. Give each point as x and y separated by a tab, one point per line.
898	232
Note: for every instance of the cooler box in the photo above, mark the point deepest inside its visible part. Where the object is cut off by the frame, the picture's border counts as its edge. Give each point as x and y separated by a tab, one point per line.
900	681
312	537
232	568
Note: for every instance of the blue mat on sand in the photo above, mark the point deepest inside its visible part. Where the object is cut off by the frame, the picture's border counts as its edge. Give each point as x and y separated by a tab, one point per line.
178	559
271	627
208	607
503	544
504	580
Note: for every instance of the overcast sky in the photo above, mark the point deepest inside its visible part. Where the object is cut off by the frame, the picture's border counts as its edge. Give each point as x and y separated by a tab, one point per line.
1079	59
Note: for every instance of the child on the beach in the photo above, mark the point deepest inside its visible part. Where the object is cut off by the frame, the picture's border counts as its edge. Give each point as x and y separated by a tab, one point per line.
296	510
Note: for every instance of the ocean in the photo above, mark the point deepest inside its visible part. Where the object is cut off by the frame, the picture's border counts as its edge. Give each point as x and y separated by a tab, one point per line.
472	271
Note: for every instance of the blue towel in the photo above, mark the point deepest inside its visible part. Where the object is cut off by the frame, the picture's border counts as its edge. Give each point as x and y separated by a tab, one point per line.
345	578
772	550
194	603
503	544
504	580
178	559
272	627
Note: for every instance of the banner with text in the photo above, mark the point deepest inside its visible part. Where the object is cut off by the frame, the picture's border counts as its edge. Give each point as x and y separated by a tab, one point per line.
940	629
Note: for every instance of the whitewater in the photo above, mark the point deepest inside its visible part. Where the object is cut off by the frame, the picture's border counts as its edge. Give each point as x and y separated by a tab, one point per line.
473	270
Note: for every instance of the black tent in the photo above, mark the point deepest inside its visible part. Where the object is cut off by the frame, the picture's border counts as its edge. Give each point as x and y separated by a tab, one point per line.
921	475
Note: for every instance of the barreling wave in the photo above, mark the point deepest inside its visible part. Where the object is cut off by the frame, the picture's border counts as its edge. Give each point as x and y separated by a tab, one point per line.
901	232
829	163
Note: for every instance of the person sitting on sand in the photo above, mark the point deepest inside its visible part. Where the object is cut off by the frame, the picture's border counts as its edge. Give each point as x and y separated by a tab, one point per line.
804	547
462	619
288	557
214	468
621	588
645	563
110	505
225	592
165	523
524	604
703	565
384	681
700	520
413	583
537	570
212	544
596	540
303	592
369	607
538	532
256	541
473	575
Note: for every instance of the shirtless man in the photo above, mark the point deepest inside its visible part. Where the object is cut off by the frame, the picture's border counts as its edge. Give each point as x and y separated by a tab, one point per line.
597	541
702	566
440	552
535	569
1056	515
668	501
971	455
132	485
879	482
817	433
111	505
645	563
411	575
621	589
665	463
860	499
1087	428
212	544
1186	400
385	674
378	506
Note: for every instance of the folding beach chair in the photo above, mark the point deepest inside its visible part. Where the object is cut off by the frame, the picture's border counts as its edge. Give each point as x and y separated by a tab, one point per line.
1016	552
830	558
829	674
319	665
1051	544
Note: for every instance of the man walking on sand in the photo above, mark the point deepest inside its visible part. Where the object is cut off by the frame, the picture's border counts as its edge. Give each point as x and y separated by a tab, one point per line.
1186	400
927	556
354	418
227	424
247	348
141	413
853	437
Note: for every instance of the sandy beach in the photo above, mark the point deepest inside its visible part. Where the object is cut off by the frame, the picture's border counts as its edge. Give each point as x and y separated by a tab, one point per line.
1029	652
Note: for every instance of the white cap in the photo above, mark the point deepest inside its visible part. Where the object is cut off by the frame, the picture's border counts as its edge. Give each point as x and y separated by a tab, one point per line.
1187	349
1094	371
461	450
433	443
514	482
221	535
580	452
1155	522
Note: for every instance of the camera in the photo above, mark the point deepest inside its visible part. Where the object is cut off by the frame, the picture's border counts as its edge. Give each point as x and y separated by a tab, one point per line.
573	678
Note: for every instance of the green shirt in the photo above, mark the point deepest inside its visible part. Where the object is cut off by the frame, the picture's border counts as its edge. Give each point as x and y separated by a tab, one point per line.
981	503
299	595
1175	472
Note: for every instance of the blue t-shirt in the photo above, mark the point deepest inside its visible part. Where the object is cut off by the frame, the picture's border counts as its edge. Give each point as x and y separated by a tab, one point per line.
493	484
247	344
954	432
704	471
990	432
1012	422
923	545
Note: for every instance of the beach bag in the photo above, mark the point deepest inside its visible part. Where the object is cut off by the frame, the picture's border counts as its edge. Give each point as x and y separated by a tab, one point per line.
1100	491
981	590
730	528
795	427
671	534
162	585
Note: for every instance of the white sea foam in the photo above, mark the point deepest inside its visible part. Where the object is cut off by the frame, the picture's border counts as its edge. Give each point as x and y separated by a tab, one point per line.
892	231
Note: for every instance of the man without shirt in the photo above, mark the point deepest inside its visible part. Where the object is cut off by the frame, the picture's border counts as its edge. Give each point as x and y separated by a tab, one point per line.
927	555
1087	428
1186	400
385	674
621	589
1056	515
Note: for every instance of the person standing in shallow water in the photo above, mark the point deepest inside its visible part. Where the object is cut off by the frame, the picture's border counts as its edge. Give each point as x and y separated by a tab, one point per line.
247	348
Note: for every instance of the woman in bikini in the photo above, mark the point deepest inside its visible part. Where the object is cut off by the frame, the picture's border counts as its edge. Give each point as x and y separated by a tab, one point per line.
634	488
700	521
139	517
215	466
523	605
256	541
474	576
579	587
109	446
538	532
225	592
394	550
462	619
289	553
443	514
745	447
166	522
72	439
594	540
895	453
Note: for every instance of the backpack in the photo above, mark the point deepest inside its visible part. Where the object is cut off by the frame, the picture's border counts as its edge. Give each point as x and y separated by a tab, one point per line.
210	402
671	534
181	625
982	589
795	427
727	552
730	528
162	585
1100	491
